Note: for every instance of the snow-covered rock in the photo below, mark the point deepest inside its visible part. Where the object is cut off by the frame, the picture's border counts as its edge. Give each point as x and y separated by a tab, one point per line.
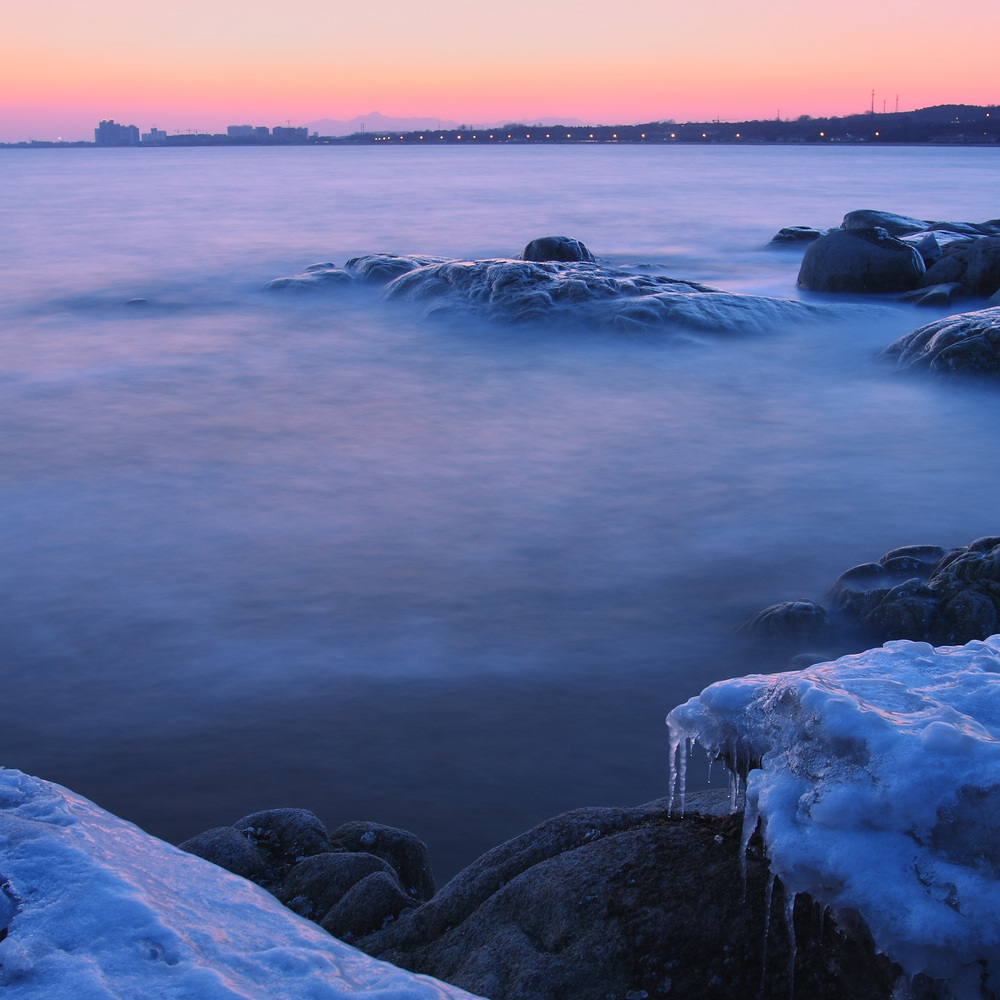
92	908
876	781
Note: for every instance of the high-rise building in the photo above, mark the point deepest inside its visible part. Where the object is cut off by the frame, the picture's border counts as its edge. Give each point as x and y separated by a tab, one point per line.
154	137
239	131
110	133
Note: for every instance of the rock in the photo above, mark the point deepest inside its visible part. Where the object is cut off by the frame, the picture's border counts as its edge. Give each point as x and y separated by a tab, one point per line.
919	592
285	835
860	260
316	884
895	225
968	343
789	621
586	295
368	906
313	278
975	265
406	853
630	904
229	849
796	235
381	268
561	248
934	295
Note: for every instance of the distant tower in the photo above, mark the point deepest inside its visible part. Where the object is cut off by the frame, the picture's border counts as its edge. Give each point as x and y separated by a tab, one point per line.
873	102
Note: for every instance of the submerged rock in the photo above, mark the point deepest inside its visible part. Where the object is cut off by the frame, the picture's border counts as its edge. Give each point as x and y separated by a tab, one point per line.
860	260
562	248
968	343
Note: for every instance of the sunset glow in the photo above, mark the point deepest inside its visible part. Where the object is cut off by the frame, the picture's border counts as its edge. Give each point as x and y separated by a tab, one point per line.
202	65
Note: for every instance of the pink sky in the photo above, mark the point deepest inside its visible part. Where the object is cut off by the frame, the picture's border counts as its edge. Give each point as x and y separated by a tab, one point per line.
205	64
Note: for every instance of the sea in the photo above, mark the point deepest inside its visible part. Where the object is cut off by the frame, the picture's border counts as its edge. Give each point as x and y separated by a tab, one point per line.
263	550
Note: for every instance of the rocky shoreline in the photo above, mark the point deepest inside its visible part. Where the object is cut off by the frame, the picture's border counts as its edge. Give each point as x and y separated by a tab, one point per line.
595	903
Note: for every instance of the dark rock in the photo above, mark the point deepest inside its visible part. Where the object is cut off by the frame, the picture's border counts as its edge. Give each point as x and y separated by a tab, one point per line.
975	265
968	343
860	260
935	296
229	849
789	621
319	882
406	853
285	835
796	234
559	248
368	906
895	225
601	903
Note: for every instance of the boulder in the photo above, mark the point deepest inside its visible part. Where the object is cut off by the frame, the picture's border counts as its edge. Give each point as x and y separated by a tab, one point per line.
967	344
974	264
229	849
796	235
860	260
368	906
560	248
895	225
630	904
316	884
790	621
405	853
285	835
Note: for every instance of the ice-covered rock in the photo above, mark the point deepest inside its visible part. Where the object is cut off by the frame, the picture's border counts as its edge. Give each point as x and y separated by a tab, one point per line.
586	294
967	343
860	260
92	908
875	779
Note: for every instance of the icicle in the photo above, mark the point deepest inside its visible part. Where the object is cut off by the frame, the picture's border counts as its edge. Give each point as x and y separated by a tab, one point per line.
675	743
768	897
682	770
790	927
750	817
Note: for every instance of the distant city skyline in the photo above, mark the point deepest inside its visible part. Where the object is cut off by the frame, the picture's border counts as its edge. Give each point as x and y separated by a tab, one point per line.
200	65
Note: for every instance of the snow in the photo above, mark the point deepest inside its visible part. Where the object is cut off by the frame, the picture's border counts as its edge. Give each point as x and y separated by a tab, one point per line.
876	781
94	908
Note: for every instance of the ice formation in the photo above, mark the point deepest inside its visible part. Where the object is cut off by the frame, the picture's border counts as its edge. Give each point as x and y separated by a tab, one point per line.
92	908
876	782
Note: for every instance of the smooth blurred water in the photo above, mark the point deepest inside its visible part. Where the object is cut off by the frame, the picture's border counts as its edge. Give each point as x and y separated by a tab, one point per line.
260	550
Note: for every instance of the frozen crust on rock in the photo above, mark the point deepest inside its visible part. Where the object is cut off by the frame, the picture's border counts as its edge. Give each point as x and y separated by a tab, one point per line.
92	908
875	779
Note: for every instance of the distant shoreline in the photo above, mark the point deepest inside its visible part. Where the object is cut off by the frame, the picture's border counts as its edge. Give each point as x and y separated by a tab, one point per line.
948	125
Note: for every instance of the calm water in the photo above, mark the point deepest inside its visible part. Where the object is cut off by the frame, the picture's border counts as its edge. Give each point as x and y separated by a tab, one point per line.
263	551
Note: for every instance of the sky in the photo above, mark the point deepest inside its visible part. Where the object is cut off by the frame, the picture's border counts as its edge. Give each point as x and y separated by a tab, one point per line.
201	65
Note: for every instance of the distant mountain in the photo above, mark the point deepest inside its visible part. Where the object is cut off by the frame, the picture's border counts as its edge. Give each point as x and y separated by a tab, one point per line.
375	122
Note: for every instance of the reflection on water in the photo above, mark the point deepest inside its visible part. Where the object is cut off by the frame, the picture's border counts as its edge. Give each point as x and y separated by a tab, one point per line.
266	551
